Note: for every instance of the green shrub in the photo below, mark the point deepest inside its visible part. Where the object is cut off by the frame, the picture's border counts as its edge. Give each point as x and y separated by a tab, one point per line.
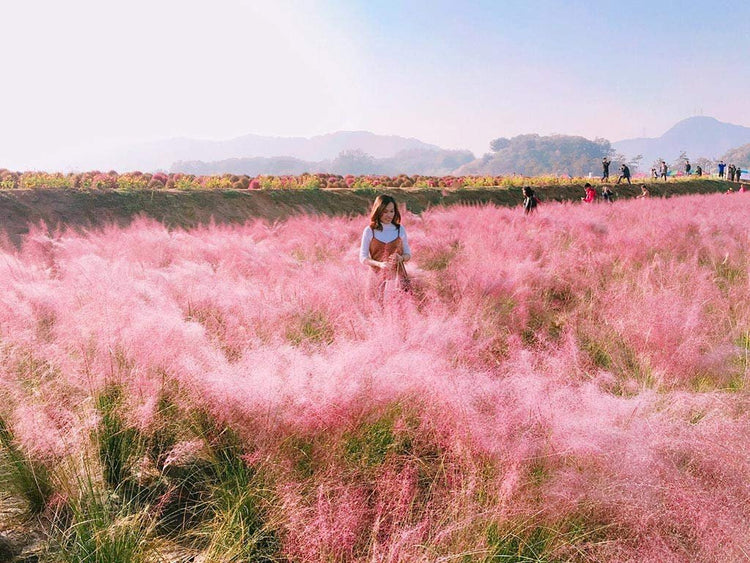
23	475
97	529
119	446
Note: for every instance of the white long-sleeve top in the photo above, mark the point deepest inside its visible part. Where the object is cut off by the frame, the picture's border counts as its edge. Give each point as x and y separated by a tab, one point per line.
389	233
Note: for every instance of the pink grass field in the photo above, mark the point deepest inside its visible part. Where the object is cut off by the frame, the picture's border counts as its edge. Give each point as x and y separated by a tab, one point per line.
579	374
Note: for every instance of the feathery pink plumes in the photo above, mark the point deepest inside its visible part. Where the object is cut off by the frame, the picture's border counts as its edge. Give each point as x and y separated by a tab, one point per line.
586	364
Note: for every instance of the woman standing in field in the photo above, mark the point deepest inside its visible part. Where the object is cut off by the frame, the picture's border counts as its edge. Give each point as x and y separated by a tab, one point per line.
385	247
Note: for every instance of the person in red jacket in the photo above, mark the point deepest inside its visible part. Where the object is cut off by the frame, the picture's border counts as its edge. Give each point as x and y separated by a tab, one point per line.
590	196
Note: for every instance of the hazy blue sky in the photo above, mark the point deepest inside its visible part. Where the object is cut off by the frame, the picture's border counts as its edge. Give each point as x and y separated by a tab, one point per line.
87	72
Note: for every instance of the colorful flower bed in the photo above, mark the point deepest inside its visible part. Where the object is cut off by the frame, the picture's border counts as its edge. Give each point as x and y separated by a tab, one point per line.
96	180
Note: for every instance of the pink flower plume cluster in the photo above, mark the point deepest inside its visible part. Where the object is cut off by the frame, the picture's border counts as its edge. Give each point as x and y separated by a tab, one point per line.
581	368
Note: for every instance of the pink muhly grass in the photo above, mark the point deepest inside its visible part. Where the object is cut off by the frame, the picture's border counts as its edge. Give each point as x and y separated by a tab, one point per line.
576	363
37	432
330	527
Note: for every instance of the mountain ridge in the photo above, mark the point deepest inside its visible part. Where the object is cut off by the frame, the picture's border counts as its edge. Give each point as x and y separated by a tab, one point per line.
162	154
697	136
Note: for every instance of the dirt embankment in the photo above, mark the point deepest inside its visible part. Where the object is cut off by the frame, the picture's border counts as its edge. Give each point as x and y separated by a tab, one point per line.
79	209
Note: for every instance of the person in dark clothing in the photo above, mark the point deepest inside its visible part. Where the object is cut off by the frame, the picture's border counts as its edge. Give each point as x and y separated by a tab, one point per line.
722	166
698	170
624	173
687	167
530	201
654	173
663	170
607	193
605	168
737	173
730	169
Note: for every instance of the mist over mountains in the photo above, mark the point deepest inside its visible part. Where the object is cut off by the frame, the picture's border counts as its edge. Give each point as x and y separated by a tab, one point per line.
699	137
162	155
427	162
363	152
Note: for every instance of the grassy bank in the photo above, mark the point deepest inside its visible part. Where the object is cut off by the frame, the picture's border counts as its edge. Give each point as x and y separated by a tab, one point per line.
90	208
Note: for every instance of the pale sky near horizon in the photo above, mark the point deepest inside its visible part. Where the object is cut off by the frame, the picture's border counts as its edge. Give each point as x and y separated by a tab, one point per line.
88	72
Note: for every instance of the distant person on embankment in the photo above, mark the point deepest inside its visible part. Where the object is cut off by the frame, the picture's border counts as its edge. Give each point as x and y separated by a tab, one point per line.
687	167
663	170
722	166
605	169
698	170
624	173
530	201
385	249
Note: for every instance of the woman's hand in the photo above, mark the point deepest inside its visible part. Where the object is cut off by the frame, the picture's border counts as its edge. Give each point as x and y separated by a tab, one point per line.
376	263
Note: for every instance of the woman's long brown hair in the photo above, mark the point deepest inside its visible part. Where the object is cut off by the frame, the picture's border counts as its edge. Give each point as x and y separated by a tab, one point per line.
378	207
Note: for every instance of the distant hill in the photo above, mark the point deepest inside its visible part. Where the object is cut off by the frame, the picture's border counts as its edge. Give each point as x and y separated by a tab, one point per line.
739	156
275	165
534	155
428	162
363	152
160	155
697	136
